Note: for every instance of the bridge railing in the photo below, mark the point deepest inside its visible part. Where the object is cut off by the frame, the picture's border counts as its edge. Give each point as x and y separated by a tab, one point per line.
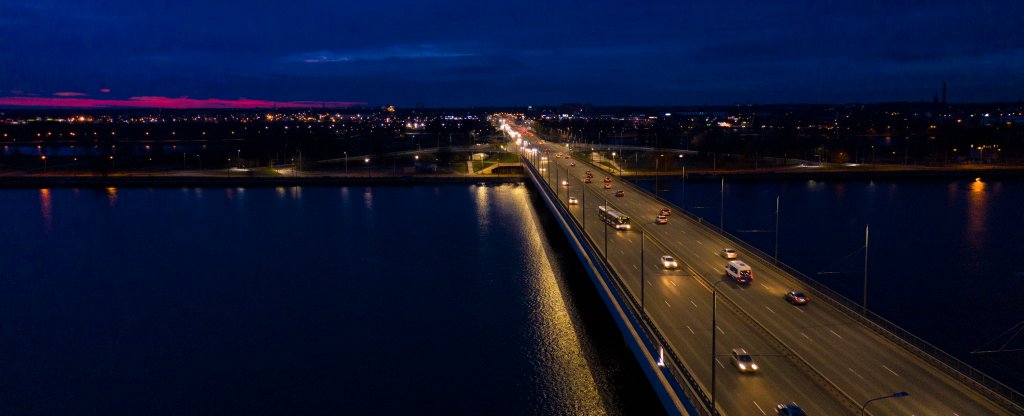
983	383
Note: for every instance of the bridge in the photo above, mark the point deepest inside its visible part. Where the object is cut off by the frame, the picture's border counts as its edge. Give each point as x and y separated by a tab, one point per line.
828	356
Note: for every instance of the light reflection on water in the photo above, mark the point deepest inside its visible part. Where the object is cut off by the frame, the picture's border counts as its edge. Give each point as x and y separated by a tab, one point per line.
458	286
567	374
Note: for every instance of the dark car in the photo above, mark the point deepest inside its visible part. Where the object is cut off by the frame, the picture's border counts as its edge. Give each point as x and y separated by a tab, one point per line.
620	193
796	298
590	174
790	409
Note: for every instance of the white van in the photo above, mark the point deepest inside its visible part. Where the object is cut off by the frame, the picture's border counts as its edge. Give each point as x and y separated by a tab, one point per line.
739	271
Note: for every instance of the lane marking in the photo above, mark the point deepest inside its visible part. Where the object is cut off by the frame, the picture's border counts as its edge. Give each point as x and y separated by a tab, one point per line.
698	242
801	310
650	284
890	370
719	363
666	303
691	330
623	252
769	309
637	268
759	408
805	336
720	329
855	373
694	304
834	333
673	282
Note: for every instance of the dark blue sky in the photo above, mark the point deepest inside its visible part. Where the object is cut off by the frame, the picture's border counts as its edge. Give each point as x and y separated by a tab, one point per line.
461	53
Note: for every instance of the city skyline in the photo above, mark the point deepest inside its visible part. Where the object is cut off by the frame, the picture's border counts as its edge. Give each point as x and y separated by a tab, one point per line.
117	54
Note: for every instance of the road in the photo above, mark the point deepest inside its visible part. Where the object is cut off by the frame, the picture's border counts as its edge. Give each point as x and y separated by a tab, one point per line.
855	359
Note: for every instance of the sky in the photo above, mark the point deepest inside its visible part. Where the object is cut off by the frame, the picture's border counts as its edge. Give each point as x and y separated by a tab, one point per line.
188	54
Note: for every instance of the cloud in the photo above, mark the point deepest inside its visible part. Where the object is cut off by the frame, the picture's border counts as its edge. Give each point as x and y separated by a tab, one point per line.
398	52
104	90
70	94
165	102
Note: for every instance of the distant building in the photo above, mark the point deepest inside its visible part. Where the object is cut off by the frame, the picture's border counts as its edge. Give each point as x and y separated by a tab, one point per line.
577	109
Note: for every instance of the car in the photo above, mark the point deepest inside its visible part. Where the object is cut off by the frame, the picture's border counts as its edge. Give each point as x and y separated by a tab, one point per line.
739	271
661	219
796	298
587	180
666	212
742	360
565	182
558	155
590	174
573	200
729	253
607	186
573	164
669	262
790	409
543	158
607	180
620	194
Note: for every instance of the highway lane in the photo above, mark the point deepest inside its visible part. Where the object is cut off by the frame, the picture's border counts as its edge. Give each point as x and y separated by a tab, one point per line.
687	323
853	357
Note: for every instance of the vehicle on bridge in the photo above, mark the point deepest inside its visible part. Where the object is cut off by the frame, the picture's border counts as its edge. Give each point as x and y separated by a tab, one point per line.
661	219
739	271
742	361
587	180
565	182
613	217
729	253
590	174
620	194
790	409
607	180
668	262
666	212
573	200
607	186
796	298
573	164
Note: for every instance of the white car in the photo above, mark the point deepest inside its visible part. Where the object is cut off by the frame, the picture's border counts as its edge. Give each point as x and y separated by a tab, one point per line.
669	262
742	361
573	200
730	253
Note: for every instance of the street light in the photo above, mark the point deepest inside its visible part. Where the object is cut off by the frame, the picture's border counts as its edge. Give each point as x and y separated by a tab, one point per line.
44	163
896	394
714	340
346	161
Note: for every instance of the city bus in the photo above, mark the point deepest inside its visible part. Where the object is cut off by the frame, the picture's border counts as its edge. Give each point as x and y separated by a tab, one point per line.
613	217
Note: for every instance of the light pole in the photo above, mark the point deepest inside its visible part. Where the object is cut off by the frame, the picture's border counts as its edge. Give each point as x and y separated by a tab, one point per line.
714	341
642	238
346	161
44	163
865	270
777	199
896	394
721	212
367	161
239	155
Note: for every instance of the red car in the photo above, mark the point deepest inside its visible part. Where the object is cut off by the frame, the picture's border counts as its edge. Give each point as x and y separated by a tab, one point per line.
620	194
666	211
587	180
607	186
796	298
607	179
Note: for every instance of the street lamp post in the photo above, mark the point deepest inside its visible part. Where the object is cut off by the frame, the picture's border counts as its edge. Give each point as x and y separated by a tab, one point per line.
714	341
642	238
44	163
721	212
346	161
239	155
889	396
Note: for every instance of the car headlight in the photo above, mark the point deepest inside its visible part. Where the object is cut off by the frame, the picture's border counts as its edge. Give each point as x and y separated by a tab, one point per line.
753	366
743	366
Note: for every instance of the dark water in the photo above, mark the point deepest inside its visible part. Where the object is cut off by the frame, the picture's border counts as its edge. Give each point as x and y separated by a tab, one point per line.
944	255
410	300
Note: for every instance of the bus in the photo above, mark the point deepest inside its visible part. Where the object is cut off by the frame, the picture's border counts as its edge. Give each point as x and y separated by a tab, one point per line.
613	217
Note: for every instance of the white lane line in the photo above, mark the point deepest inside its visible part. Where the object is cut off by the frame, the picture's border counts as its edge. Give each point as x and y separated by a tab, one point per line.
650	284
720	329
890	370
834	333
801	310
666	303
680	241
623	252
855	373
805	336
691	330
673	283
694	304
698	242
769	309
759	408
637	268
719	363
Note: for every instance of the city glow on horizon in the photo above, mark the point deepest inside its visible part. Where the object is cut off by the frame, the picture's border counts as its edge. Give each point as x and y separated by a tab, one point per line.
164	102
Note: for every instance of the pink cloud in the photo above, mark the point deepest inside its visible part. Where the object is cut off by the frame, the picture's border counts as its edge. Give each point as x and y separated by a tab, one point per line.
104	90
70	94
164	102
